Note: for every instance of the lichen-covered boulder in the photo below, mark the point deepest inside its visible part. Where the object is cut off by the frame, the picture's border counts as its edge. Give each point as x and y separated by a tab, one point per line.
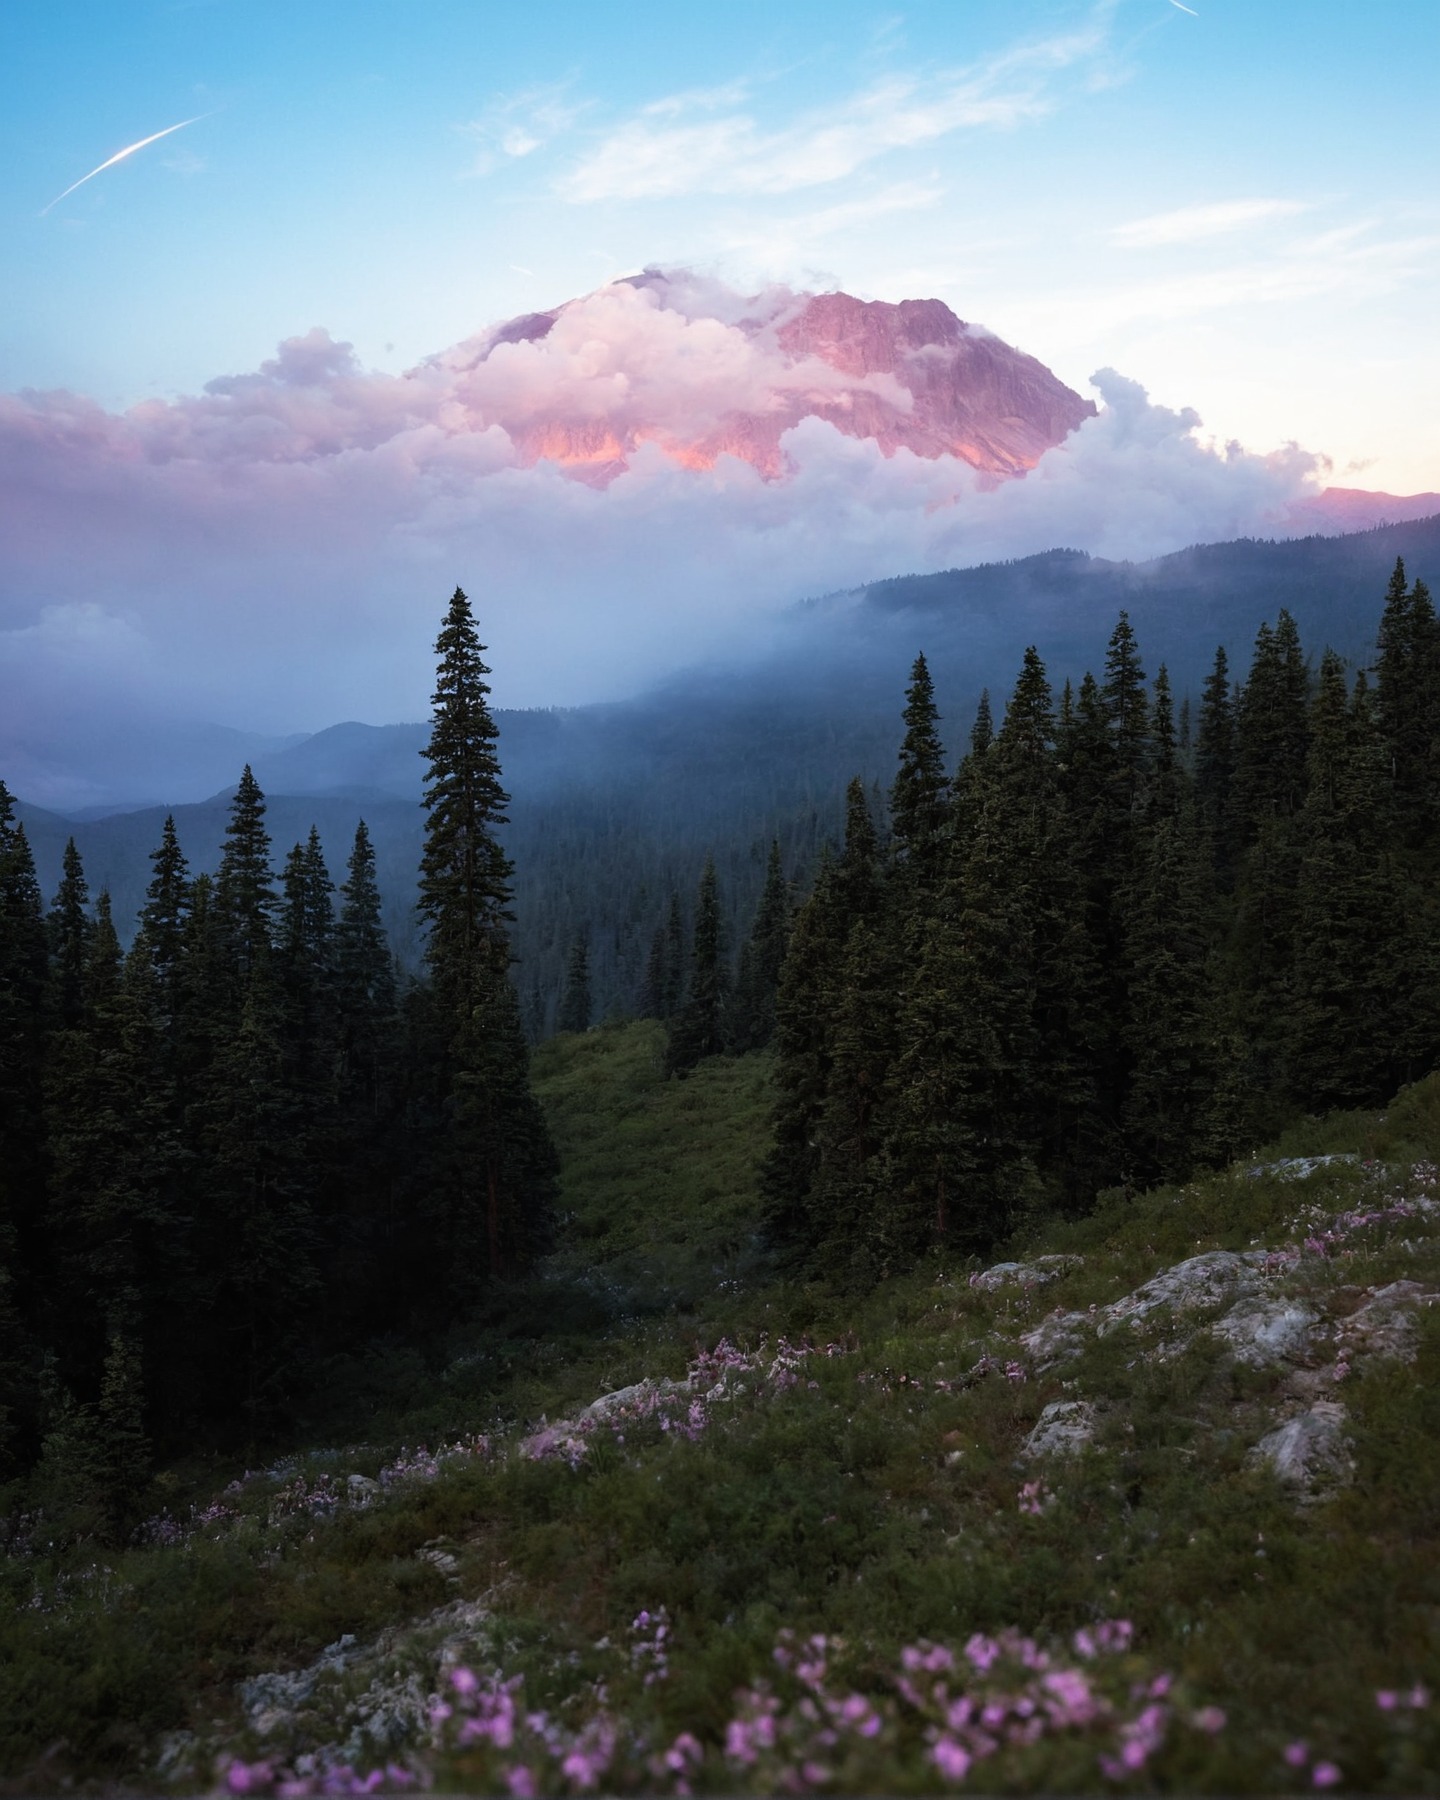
1064	1428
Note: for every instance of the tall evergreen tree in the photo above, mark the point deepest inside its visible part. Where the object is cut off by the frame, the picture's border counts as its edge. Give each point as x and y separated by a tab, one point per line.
245	899
23	970
496	1167
575	1003
752	1015
698	1030
1215	769
917	798
69	928
167	904
1407	704
1272	728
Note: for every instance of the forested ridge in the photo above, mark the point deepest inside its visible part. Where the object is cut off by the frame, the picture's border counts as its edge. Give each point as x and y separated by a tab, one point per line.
1115	947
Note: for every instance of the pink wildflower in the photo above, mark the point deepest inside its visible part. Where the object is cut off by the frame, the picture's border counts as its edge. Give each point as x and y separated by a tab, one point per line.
1386	1699
1297	1754
520	1782
1325	1775
1208	1718
982	1653
463	1681
950	1759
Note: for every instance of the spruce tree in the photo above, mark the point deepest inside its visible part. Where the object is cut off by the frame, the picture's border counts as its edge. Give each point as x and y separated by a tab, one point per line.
69	929
1272	730
1407	705
698	1029
1215	770
167	904
245	899
575	1003
752	1014
495	1165
917	797
23	970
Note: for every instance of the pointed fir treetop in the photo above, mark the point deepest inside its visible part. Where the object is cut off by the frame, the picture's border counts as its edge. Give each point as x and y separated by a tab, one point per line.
1029	727
464	873
363	965
308	914
917	799
982	732
69	928
244	884
1126	702
167	900
1165	770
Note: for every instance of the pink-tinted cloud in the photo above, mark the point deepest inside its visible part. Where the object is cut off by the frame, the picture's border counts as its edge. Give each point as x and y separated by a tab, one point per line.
274	552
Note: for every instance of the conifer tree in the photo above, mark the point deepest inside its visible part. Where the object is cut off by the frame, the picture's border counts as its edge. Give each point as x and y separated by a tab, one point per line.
495	1167
69	928
917	798
23	970
752	1015
804	1039
245	900
1127	712
575	1004
1215	769
698	1030
1363	991
1407	704
1272	731
983	730
364	971
167	903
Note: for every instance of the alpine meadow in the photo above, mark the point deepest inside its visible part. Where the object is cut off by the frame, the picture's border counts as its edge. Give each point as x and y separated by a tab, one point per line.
719	976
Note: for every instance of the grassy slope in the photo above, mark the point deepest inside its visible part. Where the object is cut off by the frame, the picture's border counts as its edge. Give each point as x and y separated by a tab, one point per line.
877	1498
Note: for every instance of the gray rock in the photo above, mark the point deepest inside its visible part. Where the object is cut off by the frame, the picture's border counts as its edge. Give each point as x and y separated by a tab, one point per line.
1199	1281
1384	1327
1063	1429
1310	1451
1037	1273
1057	1338
1262	1333
1297	1168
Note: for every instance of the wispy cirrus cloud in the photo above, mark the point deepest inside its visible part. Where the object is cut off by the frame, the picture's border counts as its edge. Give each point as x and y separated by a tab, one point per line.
516	125
1192	224
665	151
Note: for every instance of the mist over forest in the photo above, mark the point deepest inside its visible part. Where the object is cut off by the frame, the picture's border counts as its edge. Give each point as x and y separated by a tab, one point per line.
616	806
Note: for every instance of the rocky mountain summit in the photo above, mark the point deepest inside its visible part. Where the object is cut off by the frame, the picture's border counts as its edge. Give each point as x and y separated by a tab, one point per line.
699	372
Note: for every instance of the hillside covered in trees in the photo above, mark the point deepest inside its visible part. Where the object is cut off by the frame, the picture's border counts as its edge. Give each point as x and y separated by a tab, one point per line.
262	1187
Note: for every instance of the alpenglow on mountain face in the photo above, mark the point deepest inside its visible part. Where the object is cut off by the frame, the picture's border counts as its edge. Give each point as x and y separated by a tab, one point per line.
700	372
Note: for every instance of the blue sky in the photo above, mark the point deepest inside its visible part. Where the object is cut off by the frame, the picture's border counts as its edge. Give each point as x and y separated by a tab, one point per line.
1228	205
1235	204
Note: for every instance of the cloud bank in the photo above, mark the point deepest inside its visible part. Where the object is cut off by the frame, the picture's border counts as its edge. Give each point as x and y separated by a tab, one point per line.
275	552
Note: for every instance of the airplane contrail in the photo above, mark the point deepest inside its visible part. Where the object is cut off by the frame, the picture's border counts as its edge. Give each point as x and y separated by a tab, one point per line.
120	156
1190	9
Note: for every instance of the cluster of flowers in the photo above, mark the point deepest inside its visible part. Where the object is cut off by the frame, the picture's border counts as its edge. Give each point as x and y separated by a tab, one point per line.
1346	1224
424	1464
166	1532
313	1497
939	1719
267	1778
684	1409
808	1732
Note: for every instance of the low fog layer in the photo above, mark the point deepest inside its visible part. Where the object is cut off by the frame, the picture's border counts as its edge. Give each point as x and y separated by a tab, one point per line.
275	553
